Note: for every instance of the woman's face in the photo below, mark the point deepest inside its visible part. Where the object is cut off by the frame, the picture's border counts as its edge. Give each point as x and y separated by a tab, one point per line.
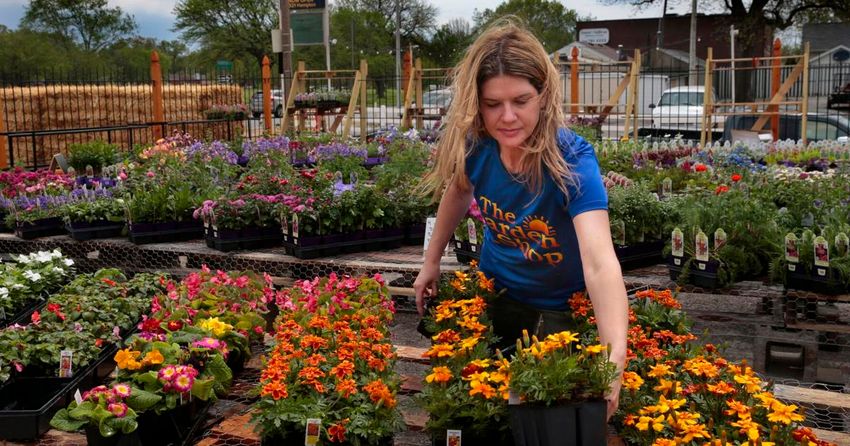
510	109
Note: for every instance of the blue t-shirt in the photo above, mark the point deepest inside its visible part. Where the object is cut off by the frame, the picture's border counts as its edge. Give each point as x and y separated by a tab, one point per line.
530	245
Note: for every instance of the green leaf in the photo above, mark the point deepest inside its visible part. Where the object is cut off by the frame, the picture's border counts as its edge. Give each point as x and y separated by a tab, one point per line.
203	389
142	400
63	421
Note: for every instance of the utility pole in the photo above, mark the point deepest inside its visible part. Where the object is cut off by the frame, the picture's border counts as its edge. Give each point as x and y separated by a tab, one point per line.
286	48
692	49
398	53
659	38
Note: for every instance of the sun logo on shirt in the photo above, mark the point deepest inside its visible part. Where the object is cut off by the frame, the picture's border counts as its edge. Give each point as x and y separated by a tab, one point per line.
538	224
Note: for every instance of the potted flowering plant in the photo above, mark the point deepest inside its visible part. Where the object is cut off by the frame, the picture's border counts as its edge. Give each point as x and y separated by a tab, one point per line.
467	386
108	414
332	360
24	283
93	214
36	216
469	235
559	385
234	112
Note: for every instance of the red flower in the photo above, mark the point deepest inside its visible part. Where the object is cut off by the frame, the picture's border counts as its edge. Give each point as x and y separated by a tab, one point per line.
721	189
700	167
337	431
35	318
151	325
175	325
736	177
98	343
108	282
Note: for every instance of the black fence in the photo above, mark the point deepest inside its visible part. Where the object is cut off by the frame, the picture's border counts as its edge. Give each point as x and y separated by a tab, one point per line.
45	112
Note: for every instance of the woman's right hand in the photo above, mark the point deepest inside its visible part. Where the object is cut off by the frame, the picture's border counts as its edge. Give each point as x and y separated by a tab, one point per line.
425	285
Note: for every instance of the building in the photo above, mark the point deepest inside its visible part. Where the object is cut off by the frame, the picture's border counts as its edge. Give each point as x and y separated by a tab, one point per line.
824	37
712	31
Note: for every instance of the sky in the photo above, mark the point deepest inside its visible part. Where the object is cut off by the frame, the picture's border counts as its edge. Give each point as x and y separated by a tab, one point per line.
155	17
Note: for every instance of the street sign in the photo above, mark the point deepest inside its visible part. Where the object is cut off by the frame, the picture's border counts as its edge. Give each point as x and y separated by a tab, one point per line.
224	65
307	27
599	36
306	4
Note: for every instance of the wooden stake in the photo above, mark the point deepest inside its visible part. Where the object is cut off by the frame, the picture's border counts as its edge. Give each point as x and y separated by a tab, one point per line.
267	95
156	96
574	82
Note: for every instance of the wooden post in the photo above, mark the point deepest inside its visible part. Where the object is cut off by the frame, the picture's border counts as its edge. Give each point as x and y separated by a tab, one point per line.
407	67
419	75
364	115
706	99
804	107
775	81
156	96
290	98
638	64
574	81
267	95
4	155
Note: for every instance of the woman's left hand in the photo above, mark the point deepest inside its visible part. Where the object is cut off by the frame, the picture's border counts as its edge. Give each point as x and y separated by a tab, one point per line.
613	396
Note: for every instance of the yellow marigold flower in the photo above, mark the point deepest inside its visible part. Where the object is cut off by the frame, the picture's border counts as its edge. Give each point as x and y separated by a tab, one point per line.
153	357
439	374
443	314
659	370
458	285
469	343
479	376
485	390
748	426
737	407
682	419
632	381
752	384
440	351
665	405
664	442
766	399
595	349
462	275
721	388
783	413
498	378
472	324
666	386
694	431
483	363
564	337
657	423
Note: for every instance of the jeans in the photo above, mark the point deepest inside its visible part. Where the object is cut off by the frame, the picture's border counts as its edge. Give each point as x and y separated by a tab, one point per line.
510	318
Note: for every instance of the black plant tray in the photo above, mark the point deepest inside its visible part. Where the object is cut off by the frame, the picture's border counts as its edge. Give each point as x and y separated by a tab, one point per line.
232	240
23	315
179	234
176	427
89	231
323	248
826	284
493	438
640	254
43	228
703	277
414	235
581	424
296	437
466	252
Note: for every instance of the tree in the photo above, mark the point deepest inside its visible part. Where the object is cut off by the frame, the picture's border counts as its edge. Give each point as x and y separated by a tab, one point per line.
448	43
27	54
550	21
88	22
418	17
229	28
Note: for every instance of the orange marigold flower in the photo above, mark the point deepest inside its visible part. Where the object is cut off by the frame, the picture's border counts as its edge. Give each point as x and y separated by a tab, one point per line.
315	359
439	374
275	389
336	431
659	370
377	364
440	351
379	393
343	369
721	388
346	387
314	342
484	389
632	381
448	336
737	407
486	284
319	322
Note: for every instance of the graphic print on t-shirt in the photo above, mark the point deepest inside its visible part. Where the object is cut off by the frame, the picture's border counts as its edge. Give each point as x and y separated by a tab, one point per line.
533	236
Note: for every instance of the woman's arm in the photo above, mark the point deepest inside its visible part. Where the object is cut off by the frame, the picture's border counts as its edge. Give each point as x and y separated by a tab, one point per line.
604	281
453	207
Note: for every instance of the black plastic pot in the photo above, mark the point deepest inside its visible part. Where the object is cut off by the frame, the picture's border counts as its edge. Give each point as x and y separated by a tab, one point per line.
581	424
172	427
28	404
414	234
823	284
701	274
83	231
93	438
44	227
640	254
491	438
142	233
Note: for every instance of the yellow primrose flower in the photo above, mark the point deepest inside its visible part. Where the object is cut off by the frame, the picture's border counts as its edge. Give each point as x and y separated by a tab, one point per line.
153	357
215	326
126	359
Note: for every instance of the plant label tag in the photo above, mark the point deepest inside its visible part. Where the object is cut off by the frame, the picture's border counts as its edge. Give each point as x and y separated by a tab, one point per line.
93	255
337	177
183	261
666	187
295	227
430	224
513	398
842	243
719	239
352	178
792	252
618	232
822	272
453	437
701	246
311	435
792	267
473	234
2	314
677	261
821	252
701	266
78	397
284	227
65	364
678	243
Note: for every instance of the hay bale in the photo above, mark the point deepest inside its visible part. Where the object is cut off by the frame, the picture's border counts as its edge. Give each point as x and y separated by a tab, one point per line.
67	106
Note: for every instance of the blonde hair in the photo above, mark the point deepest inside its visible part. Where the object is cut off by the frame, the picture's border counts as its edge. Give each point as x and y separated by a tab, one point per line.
505	48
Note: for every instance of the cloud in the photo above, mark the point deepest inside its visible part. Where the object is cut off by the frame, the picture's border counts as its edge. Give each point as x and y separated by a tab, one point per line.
162	8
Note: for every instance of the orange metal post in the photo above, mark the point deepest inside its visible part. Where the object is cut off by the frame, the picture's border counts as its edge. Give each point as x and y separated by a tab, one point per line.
267	95
156	96
4	156
775	82
574	82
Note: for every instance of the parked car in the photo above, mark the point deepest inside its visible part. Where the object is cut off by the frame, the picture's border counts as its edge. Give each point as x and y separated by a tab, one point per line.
277	103
818	127
840	99
679	111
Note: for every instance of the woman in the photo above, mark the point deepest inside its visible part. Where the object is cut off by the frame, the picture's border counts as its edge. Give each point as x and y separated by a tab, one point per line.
538	188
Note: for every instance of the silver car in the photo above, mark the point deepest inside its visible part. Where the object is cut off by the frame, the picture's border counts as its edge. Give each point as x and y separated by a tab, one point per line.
277	103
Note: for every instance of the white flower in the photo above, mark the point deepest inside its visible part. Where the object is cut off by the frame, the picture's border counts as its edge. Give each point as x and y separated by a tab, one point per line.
4	292
68	262
35	277
56	269
56	254
18	286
